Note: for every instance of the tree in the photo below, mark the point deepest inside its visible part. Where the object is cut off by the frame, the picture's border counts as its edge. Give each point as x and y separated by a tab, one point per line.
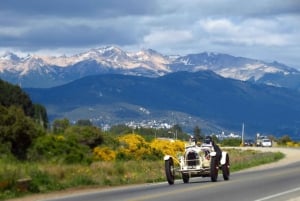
17	131
86	135
14	95
177	128
84	122
120	129
284	140
197	134
60	125
40	115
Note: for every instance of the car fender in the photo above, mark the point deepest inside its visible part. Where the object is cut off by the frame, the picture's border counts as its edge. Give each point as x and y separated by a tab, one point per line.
167	157
213	153
223	158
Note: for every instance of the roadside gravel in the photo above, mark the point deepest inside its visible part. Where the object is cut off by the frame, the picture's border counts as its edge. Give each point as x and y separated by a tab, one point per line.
291	156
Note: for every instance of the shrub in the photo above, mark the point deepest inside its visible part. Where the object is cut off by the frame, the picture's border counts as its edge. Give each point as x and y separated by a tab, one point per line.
133	146
57	148
86	135
168	147
17	131
104	154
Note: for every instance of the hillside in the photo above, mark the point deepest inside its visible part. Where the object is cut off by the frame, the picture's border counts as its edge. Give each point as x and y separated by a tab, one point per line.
203	98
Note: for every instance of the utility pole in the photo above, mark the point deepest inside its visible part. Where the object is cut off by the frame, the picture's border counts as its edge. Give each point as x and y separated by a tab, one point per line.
243	128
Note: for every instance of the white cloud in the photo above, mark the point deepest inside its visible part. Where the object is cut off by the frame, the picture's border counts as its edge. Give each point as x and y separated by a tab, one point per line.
167	37
263	28
249	32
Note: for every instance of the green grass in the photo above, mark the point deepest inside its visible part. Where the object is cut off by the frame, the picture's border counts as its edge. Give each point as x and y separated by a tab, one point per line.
47	177
240	159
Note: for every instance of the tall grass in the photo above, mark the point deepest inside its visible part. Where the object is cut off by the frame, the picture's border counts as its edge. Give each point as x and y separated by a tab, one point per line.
240	160
47	177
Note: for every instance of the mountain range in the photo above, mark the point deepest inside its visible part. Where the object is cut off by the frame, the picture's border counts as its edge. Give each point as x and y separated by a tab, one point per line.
202	98
48	71
218	92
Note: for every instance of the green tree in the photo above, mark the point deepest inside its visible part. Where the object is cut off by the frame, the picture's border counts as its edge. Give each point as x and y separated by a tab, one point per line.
120	129
177	128
198	134
84	122
86	135
17	131
60	125
40	115
284	140
14	95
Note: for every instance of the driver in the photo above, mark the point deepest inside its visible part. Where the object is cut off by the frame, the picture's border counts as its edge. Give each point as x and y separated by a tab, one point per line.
208	140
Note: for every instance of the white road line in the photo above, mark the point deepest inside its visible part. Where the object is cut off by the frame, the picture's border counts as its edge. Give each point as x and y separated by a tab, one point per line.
278	194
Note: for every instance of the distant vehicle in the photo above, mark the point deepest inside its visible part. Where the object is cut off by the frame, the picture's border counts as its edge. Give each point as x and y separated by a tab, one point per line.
248	143
266	143
259	140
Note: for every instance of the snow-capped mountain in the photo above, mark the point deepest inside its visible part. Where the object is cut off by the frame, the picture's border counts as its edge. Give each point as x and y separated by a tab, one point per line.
48	71
228	66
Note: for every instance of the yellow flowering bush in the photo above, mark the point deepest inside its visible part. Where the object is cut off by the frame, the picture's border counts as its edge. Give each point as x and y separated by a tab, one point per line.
168	147
59	138
104	154
133	146
292	144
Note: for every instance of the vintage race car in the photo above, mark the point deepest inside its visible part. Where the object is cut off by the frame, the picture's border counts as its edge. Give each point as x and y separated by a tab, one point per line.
197	161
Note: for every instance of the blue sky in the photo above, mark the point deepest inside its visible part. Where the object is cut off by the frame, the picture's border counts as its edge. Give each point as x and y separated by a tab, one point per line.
262	29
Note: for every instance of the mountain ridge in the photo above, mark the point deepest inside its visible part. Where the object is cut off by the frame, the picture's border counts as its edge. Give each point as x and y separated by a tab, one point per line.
49	71
203	97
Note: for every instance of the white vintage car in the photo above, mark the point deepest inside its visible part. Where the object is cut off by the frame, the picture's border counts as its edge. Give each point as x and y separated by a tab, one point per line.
197	161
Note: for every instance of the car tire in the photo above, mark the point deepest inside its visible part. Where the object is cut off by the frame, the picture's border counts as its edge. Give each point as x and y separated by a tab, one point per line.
214	169
185	177
225	169
170	172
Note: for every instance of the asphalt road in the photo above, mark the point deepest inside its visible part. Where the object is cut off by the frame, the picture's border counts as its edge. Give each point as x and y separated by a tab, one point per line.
272	183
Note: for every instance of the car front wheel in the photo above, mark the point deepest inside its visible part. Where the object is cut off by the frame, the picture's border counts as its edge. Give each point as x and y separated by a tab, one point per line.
214	169
170	172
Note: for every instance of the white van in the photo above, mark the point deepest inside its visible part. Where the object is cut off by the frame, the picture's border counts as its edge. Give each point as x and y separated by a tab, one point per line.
266	143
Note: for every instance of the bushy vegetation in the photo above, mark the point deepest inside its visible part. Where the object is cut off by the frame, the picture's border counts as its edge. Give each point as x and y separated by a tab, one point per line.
59	149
